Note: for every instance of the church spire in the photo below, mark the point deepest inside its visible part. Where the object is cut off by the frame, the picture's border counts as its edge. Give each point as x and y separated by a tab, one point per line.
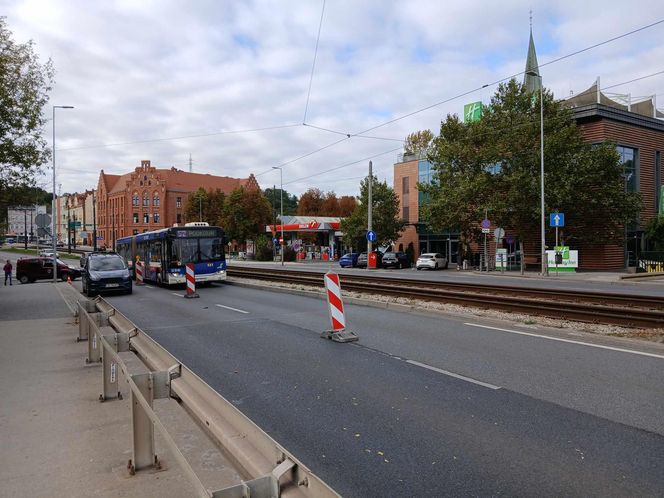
531	82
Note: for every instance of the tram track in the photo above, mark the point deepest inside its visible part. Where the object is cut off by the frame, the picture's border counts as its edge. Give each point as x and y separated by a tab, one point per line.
627	310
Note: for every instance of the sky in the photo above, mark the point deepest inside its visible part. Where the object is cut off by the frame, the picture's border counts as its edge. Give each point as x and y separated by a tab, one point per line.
233	84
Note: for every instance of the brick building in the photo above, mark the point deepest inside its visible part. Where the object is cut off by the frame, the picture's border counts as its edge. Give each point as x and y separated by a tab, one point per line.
149	198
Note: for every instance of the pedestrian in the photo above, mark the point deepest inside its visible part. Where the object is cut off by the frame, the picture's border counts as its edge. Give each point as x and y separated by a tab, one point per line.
8	272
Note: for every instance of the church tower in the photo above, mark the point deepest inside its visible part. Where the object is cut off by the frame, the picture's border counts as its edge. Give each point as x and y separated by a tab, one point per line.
531	82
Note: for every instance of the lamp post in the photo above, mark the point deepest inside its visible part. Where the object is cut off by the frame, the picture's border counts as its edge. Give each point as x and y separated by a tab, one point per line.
545	269
55	245
281	194
94	222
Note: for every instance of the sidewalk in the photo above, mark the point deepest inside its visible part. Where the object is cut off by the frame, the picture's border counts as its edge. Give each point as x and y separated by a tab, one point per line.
56	438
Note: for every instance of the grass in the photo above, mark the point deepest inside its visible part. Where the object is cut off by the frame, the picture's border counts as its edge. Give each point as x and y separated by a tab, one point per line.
35	252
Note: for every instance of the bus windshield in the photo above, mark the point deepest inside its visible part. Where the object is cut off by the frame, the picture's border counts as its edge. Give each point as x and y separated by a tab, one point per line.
191	250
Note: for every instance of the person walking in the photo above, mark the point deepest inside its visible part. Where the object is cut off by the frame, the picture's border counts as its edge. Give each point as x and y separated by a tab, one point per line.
8	272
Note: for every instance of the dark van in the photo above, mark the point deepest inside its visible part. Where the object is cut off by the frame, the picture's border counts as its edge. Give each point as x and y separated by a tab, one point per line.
31	269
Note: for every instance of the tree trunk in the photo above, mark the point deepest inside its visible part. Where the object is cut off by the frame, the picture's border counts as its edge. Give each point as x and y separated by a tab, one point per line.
522	259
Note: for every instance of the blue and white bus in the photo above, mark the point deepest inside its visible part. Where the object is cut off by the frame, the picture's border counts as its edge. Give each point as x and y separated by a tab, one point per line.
164	253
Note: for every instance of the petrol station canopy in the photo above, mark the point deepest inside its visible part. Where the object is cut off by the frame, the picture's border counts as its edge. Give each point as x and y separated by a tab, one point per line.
306	224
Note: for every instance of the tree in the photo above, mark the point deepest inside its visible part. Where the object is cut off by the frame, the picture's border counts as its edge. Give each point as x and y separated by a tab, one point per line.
274	196
654	233
386	221
418	143
492	166
205	206
311	203
245	214
347	204
24	87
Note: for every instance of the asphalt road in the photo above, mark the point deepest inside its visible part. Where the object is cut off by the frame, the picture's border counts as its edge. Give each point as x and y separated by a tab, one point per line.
533	416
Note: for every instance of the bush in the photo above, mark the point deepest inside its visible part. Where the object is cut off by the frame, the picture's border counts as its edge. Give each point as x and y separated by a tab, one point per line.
289	254
263	249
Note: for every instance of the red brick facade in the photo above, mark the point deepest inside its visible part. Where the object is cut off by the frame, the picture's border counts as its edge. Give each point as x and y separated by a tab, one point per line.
149	199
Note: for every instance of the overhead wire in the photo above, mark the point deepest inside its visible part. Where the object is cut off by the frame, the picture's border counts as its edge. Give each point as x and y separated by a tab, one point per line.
313	65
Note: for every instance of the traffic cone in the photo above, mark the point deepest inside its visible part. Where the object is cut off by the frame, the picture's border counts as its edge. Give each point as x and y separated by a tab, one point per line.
69	279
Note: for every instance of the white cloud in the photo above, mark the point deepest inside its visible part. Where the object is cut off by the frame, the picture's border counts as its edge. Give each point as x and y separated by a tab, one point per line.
149	70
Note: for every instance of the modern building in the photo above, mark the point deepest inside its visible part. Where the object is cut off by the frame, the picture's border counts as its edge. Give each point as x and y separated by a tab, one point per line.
149	198
635	127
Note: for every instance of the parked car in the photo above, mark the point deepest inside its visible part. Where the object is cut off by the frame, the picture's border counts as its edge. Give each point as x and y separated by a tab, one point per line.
30	269
396	260
48	253
431	261
104	272
349	260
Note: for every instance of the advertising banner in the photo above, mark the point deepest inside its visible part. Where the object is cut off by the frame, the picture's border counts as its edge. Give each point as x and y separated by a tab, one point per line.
570	260
472	112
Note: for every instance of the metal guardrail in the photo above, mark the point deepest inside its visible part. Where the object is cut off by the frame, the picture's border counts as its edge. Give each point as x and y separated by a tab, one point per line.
271	471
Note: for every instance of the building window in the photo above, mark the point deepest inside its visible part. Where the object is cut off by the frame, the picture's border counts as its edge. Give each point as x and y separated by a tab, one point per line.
629	159
146	217
178	202
424	177
155	199
135	217
134	199
155	217
405	185
178	218
146	199
659	202
134	231
406	213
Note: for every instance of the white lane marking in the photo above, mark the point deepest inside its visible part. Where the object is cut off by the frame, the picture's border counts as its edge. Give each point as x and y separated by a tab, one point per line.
176	294
589	344
452	374
232	309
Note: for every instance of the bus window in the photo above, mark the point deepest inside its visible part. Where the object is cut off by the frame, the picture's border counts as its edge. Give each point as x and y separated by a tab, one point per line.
185	251
155	252
211	249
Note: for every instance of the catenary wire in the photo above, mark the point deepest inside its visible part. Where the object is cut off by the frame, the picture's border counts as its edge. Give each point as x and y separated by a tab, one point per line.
313	65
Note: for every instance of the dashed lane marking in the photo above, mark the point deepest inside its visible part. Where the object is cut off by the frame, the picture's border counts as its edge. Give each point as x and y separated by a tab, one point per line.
452	374
232	309
570	341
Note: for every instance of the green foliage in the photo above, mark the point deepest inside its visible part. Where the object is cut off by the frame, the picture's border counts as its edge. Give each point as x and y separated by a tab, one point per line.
246	212
24	87
386	221
205	206
418	143
493	166
273	195
654	233
263	248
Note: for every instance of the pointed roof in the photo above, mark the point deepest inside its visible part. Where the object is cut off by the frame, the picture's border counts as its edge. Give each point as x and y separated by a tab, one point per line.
531	82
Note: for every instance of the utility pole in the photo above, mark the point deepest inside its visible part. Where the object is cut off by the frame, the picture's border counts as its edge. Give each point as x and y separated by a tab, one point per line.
369	215
68	227
25	228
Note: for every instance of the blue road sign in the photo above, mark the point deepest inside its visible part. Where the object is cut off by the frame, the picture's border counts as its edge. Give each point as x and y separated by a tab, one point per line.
275	240
486	223
371	236
557	219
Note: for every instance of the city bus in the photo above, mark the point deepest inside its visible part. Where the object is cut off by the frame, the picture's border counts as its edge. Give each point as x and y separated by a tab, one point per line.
164	253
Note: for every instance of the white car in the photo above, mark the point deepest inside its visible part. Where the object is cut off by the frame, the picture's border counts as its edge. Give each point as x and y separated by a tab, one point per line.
431	260
48	253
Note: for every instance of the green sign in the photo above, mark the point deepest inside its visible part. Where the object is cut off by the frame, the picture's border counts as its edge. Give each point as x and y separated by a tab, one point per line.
472	112
74	224
661	200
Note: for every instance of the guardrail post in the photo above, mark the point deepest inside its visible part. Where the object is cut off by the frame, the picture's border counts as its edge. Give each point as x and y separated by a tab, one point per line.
112	344
84	307
150	386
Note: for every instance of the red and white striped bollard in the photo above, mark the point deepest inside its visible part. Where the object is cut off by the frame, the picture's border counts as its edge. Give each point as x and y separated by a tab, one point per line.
337	313
191	281
139	273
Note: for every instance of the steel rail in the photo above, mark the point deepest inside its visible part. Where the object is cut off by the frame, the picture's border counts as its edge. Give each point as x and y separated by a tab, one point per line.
615	309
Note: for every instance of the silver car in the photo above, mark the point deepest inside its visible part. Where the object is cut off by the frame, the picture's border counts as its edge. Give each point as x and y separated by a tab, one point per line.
431	261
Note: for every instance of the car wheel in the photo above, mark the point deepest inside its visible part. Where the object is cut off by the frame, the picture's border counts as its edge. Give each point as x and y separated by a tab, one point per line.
418	268
24	279
130	291
63	277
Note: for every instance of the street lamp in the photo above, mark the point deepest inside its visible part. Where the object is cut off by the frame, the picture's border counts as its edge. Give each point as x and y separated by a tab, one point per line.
281	194
544	269
55	246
